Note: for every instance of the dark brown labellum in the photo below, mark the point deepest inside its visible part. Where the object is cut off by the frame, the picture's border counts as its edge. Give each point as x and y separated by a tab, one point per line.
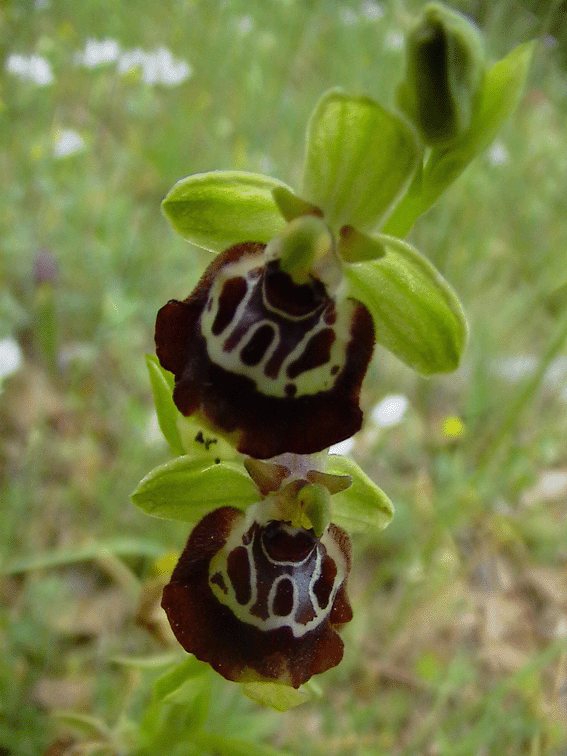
260	600
277	366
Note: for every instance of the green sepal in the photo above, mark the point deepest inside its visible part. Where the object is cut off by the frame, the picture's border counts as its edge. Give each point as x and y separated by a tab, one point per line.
291	206
445	65
167	413
189	487
361	507
417	315
498	97
357	247
218	209
183	434
359	158
275	695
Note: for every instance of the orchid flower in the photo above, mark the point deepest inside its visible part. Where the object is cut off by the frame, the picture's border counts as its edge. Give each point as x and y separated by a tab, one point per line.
266	357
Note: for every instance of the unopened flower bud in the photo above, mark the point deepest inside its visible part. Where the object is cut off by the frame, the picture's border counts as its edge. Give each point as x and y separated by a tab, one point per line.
444	73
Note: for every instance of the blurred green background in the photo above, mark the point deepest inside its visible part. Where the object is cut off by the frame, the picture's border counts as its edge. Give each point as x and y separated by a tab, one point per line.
458	642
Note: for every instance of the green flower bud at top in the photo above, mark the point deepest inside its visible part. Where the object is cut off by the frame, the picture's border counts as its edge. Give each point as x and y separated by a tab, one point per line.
444	73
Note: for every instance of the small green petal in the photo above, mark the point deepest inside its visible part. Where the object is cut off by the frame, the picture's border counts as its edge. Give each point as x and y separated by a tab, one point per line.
187	488
291	206
218	209
359	158
357	247
417	315
361	507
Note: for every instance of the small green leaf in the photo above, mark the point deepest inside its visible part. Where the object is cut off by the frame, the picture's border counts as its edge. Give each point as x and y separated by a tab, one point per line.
359	158
187	488
417	316
357	247
363	506
218	209
498	97
275	695
167	413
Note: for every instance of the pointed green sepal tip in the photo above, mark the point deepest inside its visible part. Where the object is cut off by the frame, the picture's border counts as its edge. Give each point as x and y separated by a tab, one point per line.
291	206
218	209
357	247
359	159
416	314
445	67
